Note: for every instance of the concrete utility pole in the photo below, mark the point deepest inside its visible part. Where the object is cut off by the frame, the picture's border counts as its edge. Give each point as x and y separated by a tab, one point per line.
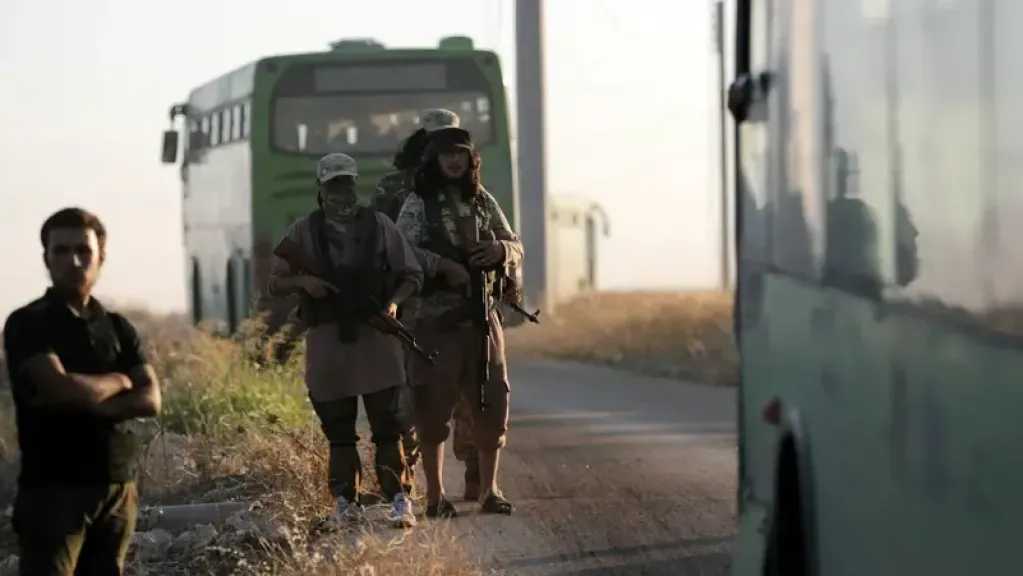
719	37
531	148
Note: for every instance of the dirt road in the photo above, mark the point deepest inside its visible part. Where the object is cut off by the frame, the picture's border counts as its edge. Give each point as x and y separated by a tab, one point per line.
611	473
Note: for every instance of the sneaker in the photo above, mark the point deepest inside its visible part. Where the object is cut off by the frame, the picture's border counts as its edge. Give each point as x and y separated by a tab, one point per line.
402	515
346	512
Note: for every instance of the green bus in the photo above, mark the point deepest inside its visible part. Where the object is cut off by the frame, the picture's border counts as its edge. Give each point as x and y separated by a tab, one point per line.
880	286
252	138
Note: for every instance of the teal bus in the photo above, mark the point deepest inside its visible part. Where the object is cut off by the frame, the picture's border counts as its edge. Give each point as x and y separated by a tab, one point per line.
252	136
880	286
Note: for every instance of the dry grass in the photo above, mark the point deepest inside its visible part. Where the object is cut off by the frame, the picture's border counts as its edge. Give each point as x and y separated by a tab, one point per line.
282	469
237	425
683	335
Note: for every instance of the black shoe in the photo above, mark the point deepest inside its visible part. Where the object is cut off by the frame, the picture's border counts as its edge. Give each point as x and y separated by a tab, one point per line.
442	509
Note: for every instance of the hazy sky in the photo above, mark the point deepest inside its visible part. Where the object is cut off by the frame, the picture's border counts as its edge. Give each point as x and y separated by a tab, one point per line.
87	85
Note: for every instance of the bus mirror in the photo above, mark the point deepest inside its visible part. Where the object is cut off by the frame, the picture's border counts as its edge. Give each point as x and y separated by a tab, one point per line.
170	146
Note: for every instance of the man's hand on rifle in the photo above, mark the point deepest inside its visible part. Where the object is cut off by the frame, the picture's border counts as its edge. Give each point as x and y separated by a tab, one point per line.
487	253
317	287
392	310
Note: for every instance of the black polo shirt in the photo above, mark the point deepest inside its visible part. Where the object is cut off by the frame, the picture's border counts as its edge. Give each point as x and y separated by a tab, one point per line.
60	446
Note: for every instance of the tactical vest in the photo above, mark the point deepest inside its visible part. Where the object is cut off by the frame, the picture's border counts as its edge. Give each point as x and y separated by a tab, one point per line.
363	287
439	243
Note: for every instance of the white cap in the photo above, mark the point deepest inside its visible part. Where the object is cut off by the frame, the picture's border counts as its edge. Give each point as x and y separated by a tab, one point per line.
334	165
436	118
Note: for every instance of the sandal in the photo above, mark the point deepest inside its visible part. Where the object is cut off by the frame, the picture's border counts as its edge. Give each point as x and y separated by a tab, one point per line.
496	503
442	509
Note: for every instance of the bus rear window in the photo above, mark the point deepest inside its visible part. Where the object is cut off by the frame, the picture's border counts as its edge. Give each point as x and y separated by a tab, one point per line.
369	123
371	107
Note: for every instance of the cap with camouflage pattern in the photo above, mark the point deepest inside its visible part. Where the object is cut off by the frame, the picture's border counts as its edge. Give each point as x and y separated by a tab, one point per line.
334	165
436	118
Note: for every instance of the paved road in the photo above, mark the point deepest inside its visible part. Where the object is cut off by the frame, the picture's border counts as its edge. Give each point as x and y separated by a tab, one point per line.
611	473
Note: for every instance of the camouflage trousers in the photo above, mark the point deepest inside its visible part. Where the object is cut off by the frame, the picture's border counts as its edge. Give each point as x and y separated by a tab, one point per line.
455	382
461	441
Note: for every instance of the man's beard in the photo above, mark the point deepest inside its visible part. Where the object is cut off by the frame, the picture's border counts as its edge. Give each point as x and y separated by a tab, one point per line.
454	179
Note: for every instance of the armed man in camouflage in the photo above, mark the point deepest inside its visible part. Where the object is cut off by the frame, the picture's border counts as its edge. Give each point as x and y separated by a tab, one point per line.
394	187
353	268
466	242
391	192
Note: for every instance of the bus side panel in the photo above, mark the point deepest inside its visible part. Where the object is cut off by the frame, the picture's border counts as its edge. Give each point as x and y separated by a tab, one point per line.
903	379
912	429
218	228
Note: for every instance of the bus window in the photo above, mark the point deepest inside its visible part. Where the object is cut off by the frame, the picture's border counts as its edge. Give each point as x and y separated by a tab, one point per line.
858	149
236	123
483	109
1001	260
194	135
226	125
955	240
246	119
371	108
205	127
796	212
357	123
214	129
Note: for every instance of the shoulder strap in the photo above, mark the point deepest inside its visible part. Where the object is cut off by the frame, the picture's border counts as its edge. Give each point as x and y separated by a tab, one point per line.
366	224
370	235
439	241
318	230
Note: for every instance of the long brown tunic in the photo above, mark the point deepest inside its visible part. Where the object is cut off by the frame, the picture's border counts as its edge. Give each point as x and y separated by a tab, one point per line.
374	361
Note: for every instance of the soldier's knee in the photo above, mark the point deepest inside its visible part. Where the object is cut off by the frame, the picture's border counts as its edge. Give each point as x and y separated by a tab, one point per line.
490	438
490	426
432	433
340	436
387	433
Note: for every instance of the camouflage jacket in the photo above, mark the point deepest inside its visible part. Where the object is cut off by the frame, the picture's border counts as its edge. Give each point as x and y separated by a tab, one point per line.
391	192
412	222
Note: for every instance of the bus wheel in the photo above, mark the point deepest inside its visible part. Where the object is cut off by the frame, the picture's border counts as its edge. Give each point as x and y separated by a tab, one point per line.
787	551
